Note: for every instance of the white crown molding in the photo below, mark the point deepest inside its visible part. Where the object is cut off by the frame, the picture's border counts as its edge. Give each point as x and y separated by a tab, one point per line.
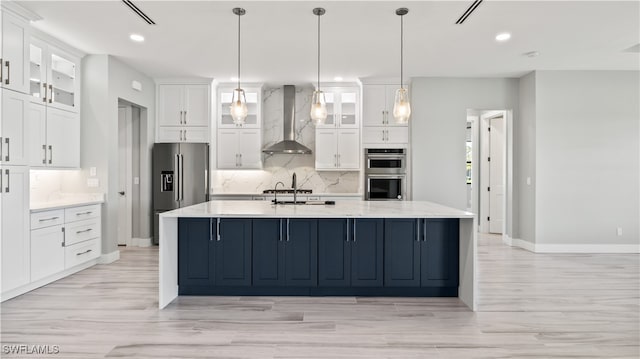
20	11
183	80
43	36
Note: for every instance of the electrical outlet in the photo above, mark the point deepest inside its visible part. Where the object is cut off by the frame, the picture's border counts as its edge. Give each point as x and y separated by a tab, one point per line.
136	180
93	182
619	231
93	171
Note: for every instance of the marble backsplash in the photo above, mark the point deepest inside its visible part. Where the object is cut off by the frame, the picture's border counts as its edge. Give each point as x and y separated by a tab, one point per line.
280	167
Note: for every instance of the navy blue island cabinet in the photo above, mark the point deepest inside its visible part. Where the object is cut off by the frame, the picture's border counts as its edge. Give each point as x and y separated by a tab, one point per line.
285	252
325	256
421	252
350	252
214	251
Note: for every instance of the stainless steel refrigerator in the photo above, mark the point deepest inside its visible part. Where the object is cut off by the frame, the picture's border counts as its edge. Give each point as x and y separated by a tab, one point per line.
180	177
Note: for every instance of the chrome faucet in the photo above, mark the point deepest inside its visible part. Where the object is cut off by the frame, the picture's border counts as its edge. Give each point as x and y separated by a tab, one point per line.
294	185
275	192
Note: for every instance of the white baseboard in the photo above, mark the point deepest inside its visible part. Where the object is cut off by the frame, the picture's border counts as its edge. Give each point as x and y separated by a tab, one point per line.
587	248
141	242
109	257
44	281
571	248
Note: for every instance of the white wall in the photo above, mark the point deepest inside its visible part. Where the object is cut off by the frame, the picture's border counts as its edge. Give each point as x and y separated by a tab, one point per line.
587	155
438	129
104	81
525	161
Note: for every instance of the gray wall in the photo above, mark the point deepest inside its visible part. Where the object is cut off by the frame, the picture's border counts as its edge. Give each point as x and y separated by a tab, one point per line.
104	81
438	129
525	161
587	157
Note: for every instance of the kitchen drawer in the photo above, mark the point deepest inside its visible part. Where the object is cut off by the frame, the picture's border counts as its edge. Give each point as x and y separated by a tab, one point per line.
80	231
47	218
80	213
81	252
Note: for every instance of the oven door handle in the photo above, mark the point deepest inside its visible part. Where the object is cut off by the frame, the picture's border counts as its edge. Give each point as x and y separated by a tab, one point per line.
370	176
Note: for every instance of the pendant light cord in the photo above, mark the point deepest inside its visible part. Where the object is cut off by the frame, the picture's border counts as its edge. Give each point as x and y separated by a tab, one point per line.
318	52
401	49
239	15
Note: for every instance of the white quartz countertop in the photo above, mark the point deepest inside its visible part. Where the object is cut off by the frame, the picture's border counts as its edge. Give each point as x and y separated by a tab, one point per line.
347	208
287	194
68	200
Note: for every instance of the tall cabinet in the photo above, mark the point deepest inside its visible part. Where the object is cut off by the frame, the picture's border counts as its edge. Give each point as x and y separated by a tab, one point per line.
40	87
239	146
338	139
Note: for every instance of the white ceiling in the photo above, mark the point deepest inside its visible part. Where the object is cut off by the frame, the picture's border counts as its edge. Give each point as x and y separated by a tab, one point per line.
359	39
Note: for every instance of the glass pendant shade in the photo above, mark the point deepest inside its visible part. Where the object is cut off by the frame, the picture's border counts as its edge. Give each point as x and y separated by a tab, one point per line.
318	108
238	108
401	106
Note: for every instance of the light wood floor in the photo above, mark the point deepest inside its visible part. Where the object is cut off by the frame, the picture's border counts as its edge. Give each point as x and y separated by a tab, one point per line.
531	306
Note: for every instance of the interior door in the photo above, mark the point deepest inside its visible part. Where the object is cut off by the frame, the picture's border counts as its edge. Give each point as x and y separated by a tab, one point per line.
124	174
496	174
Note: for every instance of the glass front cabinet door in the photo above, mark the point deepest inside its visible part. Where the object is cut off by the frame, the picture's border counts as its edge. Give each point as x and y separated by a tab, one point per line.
53	77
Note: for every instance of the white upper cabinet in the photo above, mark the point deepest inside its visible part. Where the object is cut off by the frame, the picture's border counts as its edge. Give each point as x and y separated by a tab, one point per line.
377	105
14	74
53	76
387	136
253	94
239	149
337	149
184	105
184	112
54	137
343	107
13	130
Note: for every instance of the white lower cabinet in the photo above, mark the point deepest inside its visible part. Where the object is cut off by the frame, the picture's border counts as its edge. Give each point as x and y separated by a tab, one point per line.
59	242
337	149
47	251
239	149
14	213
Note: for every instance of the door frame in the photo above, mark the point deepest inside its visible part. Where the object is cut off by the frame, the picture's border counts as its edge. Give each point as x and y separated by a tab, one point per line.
128	176
507	171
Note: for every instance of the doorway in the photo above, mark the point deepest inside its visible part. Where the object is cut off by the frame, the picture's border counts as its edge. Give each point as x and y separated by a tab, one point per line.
128	174
488	168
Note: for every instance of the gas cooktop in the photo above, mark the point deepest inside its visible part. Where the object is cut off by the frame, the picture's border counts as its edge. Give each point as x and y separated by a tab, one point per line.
285	191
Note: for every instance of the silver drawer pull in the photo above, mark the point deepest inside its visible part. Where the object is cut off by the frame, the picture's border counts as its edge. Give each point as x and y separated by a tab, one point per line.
83	213
48	219
84	231
85	252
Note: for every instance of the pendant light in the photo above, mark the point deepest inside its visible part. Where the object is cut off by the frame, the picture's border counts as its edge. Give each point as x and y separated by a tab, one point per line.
401	105
238	108
318	105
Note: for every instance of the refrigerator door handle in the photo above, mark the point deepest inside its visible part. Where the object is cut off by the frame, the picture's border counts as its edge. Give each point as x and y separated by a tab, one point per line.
181	177
176	192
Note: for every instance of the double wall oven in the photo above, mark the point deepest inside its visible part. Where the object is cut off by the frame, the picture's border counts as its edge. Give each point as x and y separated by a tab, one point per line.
385	174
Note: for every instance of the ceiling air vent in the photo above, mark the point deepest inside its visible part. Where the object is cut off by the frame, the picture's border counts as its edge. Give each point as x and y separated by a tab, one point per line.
468	12
139	12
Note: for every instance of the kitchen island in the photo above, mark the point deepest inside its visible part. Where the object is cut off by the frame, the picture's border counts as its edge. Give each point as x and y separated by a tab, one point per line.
386	248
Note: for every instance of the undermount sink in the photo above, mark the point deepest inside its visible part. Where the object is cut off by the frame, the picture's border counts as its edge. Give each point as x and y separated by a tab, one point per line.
309	203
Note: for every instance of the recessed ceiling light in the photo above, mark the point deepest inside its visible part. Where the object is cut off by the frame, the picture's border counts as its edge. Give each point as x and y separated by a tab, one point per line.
136	37
503	36
337	78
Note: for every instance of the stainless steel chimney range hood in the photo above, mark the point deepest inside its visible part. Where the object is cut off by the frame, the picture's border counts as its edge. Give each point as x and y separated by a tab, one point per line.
289	145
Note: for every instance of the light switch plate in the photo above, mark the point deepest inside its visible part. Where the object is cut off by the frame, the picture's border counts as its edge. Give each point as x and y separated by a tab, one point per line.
93	171
136	180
